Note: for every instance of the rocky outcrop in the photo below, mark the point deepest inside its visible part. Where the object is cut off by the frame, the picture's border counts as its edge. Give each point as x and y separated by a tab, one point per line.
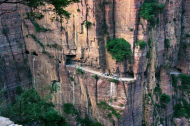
6	122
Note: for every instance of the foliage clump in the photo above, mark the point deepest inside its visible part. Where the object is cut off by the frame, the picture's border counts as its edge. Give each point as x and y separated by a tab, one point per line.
95	76
167	43
79	71
164	98
39	28
119	48
182	109
69	108
141	44
55	45
59	5
88	24
114	81
103	105
29	109
150	10
36	40
187	35
185	81
174	81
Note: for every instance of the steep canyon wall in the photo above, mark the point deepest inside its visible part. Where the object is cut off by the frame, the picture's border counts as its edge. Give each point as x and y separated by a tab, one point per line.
29	57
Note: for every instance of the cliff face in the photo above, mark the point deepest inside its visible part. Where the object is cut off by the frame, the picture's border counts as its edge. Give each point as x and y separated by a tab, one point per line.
81	40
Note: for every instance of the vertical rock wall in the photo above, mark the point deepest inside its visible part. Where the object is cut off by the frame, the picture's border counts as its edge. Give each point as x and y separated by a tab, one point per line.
21	54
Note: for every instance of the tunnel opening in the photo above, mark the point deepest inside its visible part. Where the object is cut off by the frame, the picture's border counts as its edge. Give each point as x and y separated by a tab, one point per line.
129	74
27	52
34	54
70	59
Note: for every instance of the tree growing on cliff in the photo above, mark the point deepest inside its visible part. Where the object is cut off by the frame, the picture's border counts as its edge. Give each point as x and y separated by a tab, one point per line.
119	48
59	5
150	10
29	109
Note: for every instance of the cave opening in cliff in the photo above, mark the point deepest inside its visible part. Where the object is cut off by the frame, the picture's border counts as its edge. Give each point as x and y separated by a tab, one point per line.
129	74
27	52
34	54
69	59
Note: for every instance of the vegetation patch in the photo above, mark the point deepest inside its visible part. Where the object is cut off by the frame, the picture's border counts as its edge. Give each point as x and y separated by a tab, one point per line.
47	53
114	81
55	45
167	43
71	78
29	109
38	28
174	81
131	29
141	44
187	35
36	40
182	109
119	48
148	55
79	71
69	108
95	76
150	9
87	24
164	98
104	106
185	81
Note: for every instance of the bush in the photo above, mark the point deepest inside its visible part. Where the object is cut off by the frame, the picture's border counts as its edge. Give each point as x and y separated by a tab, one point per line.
121	105
5	31
185	81
187	35
141	44
148	55
164	98
79	71
95	76
71	78
119	48
87	24
131	29
36	40
19	90
150	10
109	115
103	105
166	43
174	81
179	111
78	10
55	45
38	28
69	108
114	81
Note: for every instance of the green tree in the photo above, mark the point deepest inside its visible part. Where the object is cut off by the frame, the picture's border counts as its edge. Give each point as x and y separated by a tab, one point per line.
141	44
150	10
119	48
30	109
59	6
164	98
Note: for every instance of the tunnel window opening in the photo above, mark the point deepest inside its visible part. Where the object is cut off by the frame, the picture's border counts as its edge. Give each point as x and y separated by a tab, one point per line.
69	59
34	53
129	74
27	52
